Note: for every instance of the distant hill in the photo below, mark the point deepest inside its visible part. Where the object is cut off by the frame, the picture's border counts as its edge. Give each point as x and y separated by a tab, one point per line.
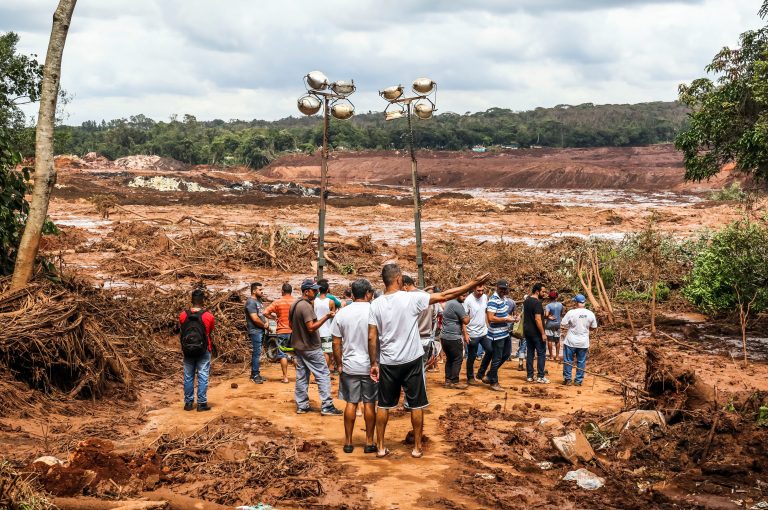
256	143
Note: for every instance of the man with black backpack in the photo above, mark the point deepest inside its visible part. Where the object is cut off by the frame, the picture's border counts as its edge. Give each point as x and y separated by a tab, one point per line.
196	328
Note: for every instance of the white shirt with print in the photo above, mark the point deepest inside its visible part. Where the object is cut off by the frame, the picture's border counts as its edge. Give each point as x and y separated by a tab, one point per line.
578	321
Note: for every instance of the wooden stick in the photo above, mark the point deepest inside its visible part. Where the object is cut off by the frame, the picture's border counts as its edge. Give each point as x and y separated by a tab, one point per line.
613	380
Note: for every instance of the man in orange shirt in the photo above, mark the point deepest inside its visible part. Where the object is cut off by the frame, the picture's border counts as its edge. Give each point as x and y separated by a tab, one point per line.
279	309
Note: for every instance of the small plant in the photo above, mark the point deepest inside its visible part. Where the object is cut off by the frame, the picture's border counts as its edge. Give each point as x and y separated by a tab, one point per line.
347	268
104	204
729	193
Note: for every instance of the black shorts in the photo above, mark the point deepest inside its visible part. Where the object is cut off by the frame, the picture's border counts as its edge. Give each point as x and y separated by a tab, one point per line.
408	376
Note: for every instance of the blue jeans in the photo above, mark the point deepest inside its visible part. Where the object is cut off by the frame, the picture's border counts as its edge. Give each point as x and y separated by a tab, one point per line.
312	362
581	362
487	345
202	367
473	352
256	337
537	348
522	348
502	350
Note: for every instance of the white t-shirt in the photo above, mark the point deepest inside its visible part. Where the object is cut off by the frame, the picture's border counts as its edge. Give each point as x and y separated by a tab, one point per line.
396	317
351	325
578	321
322	308
475	308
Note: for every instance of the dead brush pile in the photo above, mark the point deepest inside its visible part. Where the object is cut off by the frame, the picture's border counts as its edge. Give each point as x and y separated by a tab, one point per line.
18	491
231	463
50	342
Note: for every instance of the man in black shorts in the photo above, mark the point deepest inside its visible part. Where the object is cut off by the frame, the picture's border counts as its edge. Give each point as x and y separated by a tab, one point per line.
393	324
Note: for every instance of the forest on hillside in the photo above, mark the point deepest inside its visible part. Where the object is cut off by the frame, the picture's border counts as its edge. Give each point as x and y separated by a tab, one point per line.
255	143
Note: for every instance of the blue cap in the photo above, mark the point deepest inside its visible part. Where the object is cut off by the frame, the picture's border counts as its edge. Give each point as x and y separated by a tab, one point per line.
309	284
579	298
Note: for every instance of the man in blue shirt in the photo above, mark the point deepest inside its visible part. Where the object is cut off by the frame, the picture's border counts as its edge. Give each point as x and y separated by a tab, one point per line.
499	320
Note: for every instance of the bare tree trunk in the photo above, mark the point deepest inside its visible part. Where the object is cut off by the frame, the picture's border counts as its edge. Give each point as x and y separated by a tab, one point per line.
45	173
743	317
654	283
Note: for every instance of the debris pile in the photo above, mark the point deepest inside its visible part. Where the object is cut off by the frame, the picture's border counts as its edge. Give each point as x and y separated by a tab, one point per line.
161	183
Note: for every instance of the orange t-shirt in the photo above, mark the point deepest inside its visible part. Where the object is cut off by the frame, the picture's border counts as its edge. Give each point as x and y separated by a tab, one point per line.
281	307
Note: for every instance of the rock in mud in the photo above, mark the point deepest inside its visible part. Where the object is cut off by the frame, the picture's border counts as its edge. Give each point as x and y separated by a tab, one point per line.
550	425
585	479
573	446
631	420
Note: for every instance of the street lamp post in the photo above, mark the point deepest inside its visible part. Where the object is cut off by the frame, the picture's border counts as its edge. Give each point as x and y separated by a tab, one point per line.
423	106
332	98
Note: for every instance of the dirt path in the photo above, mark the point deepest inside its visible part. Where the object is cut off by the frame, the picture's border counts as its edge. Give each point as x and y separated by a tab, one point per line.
398	482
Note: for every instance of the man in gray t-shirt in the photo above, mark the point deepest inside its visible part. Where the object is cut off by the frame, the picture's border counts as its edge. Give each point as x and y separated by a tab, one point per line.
453	338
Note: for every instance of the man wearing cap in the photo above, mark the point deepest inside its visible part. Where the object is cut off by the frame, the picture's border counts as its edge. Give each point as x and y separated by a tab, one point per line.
309	354
578	321
500	348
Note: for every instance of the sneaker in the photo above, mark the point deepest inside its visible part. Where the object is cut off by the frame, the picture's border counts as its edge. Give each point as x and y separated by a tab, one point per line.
496	387
449	385
542	380
474	382
486	380
567	382
203	407
530	379
577	383
332	412
257	380
303	410
460	386
189	406
520	366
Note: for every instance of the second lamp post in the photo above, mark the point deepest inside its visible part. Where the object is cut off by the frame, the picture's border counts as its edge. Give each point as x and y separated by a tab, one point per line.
423	106
332	98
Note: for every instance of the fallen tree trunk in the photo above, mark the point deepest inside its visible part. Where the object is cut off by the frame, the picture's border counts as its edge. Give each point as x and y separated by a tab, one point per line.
100	504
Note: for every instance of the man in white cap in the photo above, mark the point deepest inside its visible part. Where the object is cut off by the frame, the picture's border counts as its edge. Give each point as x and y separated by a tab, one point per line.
578	321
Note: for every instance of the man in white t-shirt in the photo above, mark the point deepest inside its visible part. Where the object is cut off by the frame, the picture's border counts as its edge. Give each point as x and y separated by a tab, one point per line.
475	305
350	351
578	321
393	322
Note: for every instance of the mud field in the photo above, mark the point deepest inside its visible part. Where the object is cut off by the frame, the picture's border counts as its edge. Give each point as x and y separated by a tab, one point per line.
137	235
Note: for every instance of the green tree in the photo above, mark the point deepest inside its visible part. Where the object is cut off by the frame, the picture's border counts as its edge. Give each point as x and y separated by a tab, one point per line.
729	118
730	273
19	84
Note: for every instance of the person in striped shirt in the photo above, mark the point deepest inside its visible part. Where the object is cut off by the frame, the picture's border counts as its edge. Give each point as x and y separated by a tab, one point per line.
279	309
499	319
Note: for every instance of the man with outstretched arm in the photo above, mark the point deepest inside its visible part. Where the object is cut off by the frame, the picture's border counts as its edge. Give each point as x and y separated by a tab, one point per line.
393	324
350	351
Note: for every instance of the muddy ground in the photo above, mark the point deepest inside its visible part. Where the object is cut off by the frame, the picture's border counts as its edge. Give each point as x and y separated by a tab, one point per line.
485	449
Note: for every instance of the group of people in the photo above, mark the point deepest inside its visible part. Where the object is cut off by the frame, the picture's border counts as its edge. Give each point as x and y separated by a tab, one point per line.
380	344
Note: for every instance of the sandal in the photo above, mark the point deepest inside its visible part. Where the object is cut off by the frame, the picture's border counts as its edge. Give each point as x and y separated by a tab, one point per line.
417	454
370	448
381	455
348	448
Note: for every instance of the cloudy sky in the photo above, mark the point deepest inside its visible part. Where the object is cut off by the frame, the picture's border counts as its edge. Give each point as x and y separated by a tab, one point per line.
245	59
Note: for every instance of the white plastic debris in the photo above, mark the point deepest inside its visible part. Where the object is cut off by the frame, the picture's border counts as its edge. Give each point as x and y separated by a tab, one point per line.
545	465
161	183
485	476
585	479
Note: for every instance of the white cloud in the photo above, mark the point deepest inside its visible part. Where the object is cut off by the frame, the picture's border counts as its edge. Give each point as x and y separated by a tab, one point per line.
244	59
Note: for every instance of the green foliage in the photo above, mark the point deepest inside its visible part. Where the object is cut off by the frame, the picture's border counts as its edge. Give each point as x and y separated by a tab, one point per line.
256	143
20	81
729	119
728	193
347	269
13	207
731	270
662	293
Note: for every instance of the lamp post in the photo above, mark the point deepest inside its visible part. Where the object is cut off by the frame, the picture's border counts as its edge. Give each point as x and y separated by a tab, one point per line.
332	98
423	106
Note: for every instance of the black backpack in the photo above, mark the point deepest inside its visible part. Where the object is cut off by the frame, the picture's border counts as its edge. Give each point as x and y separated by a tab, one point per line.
194	339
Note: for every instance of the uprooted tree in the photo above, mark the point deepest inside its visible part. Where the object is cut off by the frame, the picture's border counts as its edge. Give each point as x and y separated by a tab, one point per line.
729	118
45	174
730	273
